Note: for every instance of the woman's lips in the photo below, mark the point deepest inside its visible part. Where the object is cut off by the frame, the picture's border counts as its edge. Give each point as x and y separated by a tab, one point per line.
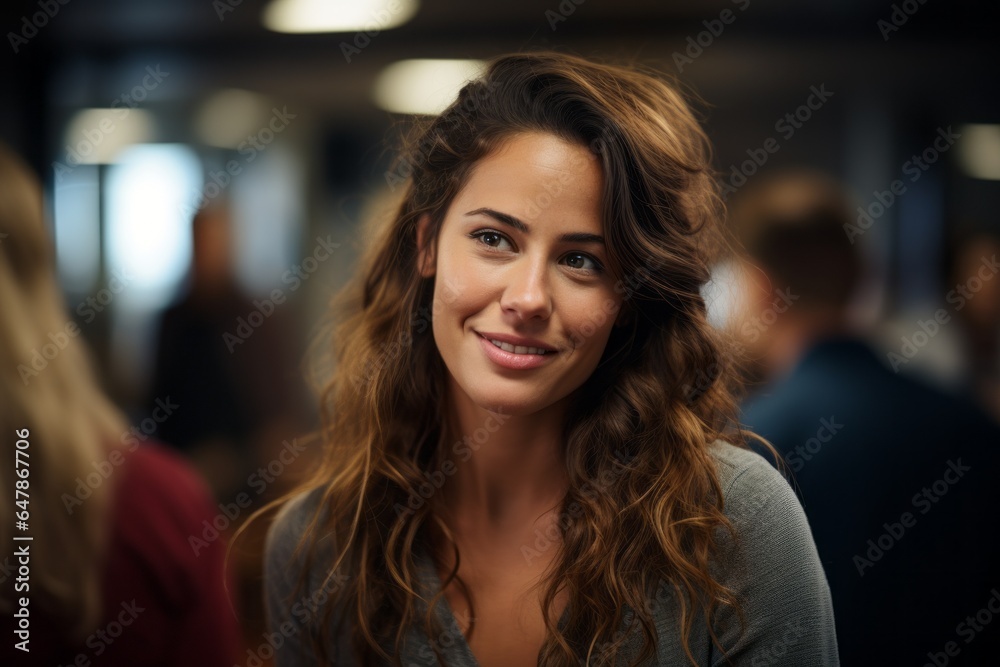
513	360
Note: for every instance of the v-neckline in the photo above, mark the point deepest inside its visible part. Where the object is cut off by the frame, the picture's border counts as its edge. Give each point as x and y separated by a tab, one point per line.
434	585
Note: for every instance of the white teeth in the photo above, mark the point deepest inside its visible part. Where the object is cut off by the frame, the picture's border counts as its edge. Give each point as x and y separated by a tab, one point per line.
519	349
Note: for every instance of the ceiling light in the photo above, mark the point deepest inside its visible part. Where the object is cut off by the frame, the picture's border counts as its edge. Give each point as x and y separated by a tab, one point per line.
229	116
424	86
97	136
300	16
979	151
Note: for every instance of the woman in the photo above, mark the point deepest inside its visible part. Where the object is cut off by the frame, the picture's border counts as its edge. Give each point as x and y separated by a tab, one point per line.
109	575
531	452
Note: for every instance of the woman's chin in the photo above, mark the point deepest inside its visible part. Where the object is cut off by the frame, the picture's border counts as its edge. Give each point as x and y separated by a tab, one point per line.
509	407
513	404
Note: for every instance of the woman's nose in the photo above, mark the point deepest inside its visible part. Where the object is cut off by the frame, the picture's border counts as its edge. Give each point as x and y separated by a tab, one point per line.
528	292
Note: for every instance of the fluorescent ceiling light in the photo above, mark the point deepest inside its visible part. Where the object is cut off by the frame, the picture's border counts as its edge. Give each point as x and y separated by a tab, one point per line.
299	16
97	136
229	116
979	151
424	86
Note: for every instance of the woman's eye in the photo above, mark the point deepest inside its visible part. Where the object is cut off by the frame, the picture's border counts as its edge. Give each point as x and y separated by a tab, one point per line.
490	238
578	260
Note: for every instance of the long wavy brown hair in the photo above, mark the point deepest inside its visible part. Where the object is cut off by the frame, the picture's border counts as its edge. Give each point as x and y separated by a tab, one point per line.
663	391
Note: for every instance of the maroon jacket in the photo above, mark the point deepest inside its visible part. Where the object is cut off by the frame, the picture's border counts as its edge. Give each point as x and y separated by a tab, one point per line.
163	603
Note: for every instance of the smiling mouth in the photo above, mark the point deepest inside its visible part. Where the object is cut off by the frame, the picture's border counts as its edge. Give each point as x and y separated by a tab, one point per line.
519	349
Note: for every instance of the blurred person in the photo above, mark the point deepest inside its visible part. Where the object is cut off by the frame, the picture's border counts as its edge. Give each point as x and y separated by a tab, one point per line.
895	477
109	576
234	380
514	474
973	292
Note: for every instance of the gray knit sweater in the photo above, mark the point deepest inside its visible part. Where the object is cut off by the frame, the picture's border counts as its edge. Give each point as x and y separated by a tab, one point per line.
772	566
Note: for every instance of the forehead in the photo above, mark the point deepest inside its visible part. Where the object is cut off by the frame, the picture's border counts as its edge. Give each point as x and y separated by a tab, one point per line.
538	177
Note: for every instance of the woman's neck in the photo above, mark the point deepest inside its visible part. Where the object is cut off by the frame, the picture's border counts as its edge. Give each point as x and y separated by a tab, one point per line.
507	469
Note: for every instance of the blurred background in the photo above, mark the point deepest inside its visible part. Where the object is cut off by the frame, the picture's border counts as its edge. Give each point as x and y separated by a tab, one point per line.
278	117
303	119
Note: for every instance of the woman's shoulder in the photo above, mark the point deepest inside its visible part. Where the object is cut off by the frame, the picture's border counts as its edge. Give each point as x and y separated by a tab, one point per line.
771	565
289	547
293	611
766	515
289	527
748	480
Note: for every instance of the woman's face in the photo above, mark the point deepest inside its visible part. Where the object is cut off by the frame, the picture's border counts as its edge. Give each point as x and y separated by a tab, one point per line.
519	256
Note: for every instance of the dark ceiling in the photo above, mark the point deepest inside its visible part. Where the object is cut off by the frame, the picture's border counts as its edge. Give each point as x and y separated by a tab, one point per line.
939	63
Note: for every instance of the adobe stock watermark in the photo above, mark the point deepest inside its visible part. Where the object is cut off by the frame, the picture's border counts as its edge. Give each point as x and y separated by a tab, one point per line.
41	356
471	98
106	636
554	186
448	638
259	481
968	629
403	168
562	12
92	305
595	320
223	7
85	486
420	320
786	126
929	328
254	144
463	448
303	611
805	452
591	489
31	25
704	379
757	325
264	308
914	168
751	330
58	340
924	500
363	38
898	17
122	106
603	652
713	30
774	653
627	287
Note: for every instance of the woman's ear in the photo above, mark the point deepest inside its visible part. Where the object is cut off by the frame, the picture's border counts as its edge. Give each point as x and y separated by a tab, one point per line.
426	257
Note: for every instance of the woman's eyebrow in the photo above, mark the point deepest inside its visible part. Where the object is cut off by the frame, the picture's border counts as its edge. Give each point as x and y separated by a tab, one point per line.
511	221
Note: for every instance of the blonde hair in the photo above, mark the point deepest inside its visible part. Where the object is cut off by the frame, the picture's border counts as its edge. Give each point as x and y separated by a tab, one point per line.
48	389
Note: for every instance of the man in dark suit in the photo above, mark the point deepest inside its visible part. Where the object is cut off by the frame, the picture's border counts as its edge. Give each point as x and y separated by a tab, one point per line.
895	476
